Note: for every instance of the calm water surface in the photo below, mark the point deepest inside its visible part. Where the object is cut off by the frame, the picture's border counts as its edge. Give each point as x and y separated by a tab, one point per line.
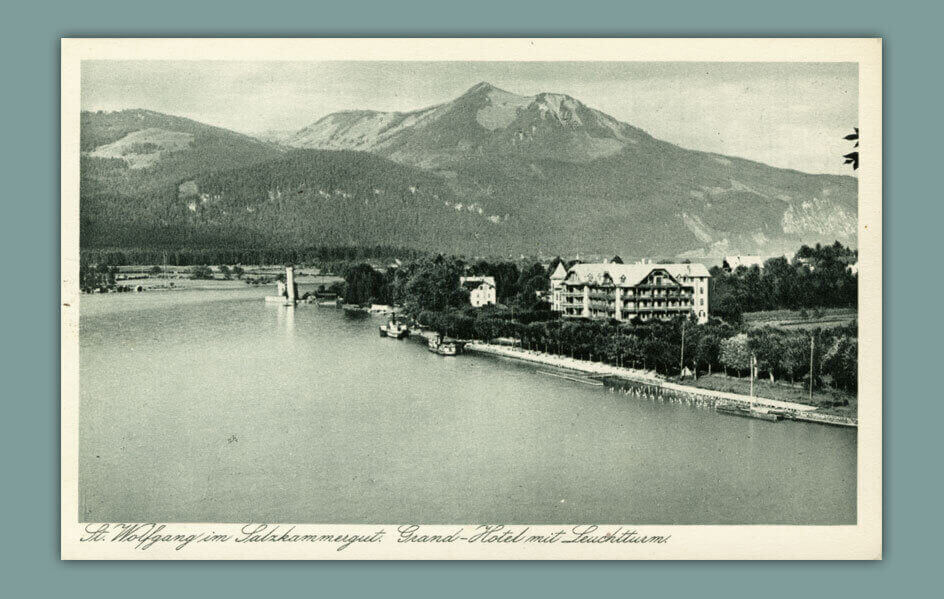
213	406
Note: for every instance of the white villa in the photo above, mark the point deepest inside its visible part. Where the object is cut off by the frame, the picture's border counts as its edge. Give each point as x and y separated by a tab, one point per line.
481	290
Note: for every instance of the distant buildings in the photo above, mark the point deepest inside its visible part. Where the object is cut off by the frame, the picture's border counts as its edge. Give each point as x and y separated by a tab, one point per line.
807	262
732	263
481	290
627	291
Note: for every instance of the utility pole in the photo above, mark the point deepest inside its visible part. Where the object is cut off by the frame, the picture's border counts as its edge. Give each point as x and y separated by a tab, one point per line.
753	362
812	342
682	357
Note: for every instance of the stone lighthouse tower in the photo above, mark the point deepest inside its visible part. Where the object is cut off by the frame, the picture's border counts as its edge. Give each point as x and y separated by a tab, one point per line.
291	288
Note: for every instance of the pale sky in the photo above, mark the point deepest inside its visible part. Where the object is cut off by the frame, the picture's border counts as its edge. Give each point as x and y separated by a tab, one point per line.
791	115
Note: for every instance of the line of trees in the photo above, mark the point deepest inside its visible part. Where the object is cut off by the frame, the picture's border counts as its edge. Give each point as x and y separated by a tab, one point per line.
817	277
520	286
431	284
657	345
310	256
363	284
94	277
202	272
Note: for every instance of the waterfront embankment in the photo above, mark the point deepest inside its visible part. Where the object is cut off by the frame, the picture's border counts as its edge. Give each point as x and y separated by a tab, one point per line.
648	384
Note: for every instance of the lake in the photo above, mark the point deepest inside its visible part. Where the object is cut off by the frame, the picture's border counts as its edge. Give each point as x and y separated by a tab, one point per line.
212	406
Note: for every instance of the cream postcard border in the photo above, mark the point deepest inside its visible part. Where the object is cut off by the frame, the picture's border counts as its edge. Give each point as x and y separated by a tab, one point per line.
861	541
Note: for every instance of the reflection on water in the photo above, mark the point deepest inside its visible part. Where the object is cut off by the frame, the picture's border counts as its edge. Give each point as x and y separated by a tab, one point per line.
285	316
214	406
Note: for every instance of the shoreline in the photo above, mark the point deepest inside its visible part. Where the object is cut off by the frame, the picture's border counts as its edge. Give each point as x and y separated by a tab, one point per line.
649	384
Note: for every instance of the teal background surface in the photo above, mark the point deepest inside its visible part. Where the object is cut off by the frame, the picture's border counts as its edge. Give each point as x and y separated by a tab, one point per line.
29	529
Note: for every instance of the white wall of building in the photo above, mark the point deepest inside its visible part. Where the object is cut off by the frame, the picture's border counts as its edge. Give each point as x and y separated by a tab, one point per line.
483	294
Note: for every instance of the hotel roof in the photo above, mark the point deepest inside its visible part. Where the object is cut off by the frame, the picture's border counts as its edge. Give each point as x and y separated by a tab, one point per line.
685	270
630	274
560	272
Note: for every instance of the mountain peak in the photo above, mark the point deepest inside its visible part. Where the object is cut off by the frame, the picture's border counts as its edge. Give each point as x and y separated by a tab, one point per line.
486	89
480	87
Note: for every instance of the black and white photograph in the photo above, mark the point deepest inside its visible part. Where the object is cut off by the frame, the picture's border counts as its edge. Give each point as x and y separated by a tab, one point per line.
490	299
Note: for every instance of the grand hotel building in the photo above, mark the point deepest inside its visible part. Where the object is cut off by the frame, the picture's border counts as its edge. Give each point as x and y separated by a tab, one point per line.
627	291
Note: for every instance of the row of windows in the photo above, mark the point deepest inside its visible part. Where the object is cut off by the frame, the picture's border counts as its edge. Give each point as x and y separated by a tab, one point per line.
579	302
629	292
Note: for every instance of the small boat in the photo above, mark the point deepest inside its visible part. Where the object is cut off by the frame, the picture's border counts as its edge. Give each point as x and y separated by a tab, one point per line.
396	330
749	412
355	311
445	346
448	348
766	414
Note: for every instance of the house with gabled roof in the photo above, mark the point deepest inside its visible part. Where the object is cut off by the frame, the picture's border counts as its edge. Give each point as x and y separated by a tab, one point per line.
482	291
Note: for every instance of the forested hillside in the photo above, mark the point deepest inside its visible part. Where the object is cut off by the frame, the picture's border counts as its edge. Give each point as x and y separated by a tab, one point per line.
489	173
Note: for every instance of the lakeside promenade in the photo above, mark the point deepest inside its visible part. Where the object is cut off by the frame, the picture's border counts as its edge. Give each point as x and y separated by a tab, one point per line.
796	410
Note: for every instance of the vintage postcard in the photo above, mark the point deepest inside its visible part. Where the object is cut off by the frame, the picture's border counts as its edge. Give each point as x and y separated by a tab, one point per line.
471	299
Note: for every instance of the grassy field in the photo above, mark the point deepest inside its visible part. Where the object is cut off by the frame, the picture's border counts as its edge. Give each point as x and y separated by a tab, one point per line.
824	399
801	319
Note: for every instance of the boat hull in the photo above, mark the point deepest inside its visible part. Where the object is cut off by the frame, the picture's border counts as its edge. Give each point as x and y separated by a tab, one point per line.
355	312
748	413
394	330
